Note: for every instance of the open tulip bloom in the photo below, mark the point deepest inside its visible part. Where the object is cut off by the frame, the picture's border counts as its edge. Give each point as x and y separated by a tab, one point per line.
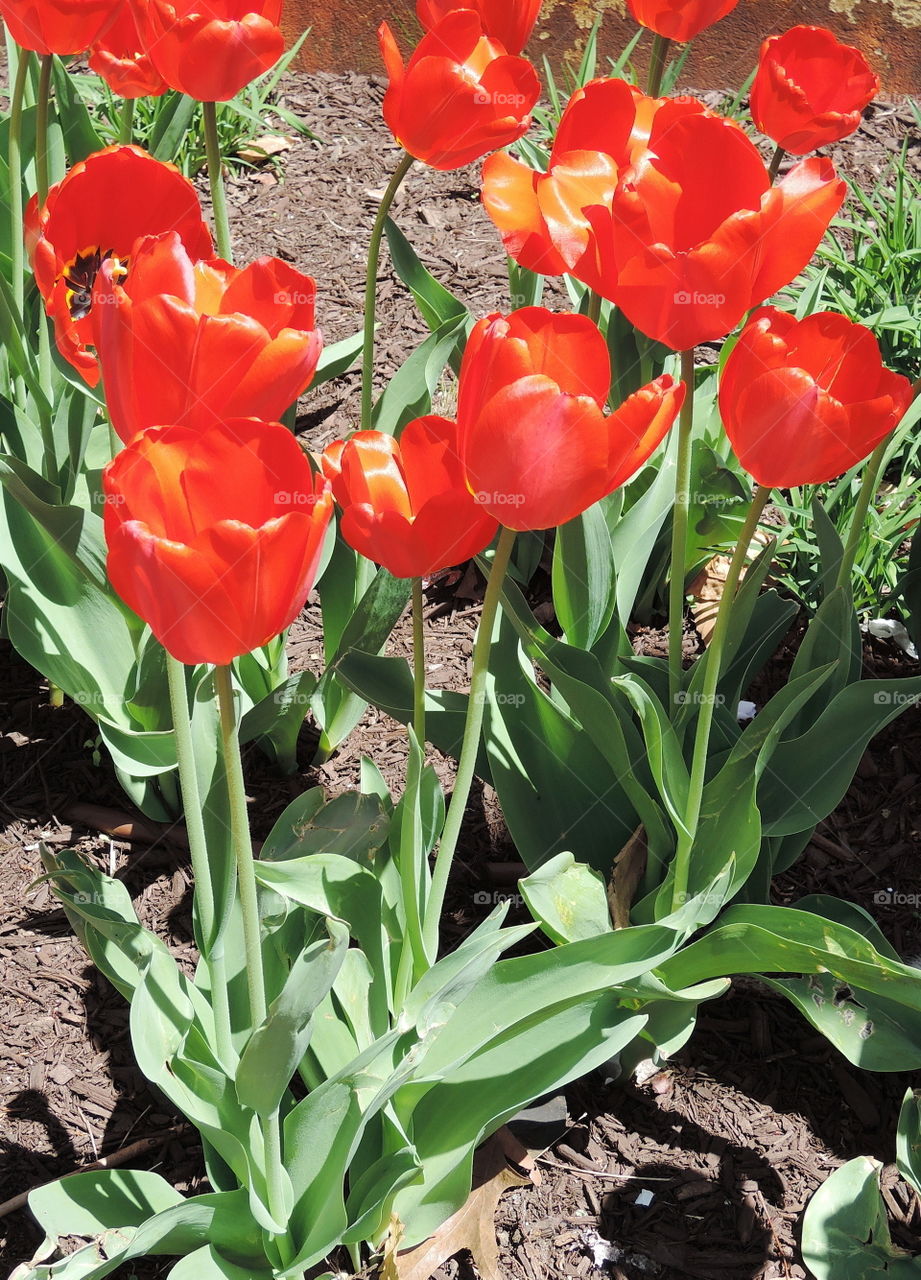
57	26
118	56
508	21
405	503
94	216
192	343
810	89
211	51
679	20
460	95
685	235
803	401
214	536
536	444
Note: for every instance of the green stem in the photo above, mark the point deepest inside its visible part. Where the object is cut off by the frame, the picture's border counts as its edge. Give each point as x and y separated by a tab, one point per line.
198	849
707	697
252	929
126	122
418	663
776	161
14	159
41	127
866	495
374	253
680	530
471	743
657	62
216	180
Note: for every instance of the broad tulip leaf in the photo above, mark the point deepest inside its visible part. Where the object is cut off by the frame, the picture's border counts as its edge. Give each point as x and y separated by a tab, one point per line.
783	940
275	722
633	540
568	898
80	136
351	824
175	113
271	1055
809	775
337	359
583	577
410	392
437	305
86	1204
207	1264
908	1139
845	1232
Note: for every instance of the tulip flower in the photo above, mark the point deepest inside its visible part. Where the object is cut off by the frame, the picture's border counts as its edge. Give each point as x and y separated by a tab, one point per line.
405	503
604	129
803	401
460	96
809	89
214	537
680	20
211	51
192	343
118	57
57	26
536	445
508	21
95	215
694	234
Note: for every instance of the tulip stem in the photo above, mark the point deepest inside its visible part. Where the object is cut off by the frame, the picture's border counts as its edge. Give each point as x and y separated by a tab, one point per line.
418	662
868	489
707	698
776	162
126	122
658	59
41	127
680	531
14	160
216	181
252	928
210	947
473	726
374	253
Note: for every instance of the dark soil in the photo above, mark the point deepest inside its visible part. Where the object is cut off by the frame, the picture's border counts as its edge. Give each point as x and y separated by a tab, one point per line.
741	1128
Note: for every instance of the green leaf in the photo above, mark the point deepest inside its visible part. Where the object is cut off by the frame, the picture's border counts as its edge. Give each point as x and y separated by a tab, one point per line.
845	1232
908	1139
337	359
80	136
275	722
207	1264
569	899
174	117
410	392
437	305
583	577
86	1204
274	1050
351	824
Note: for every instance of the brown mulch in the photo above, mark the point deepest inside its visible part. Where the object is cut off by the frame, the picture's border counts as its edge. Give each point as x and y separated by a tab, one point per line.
734	1136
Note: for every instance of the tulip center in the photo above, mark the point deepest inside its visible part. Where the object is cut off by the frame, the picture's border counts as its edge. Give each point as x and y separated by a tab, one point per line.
80	274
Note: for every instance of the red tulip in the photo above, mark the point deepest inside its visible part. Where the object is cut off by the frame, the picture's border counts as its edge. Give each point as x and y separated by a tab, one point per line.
405	503
460	96
118	57
214	536
57	26
809	89
95	214
803	401
604	129
210	51
680	20
195	342
536	445
695	234
508	21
